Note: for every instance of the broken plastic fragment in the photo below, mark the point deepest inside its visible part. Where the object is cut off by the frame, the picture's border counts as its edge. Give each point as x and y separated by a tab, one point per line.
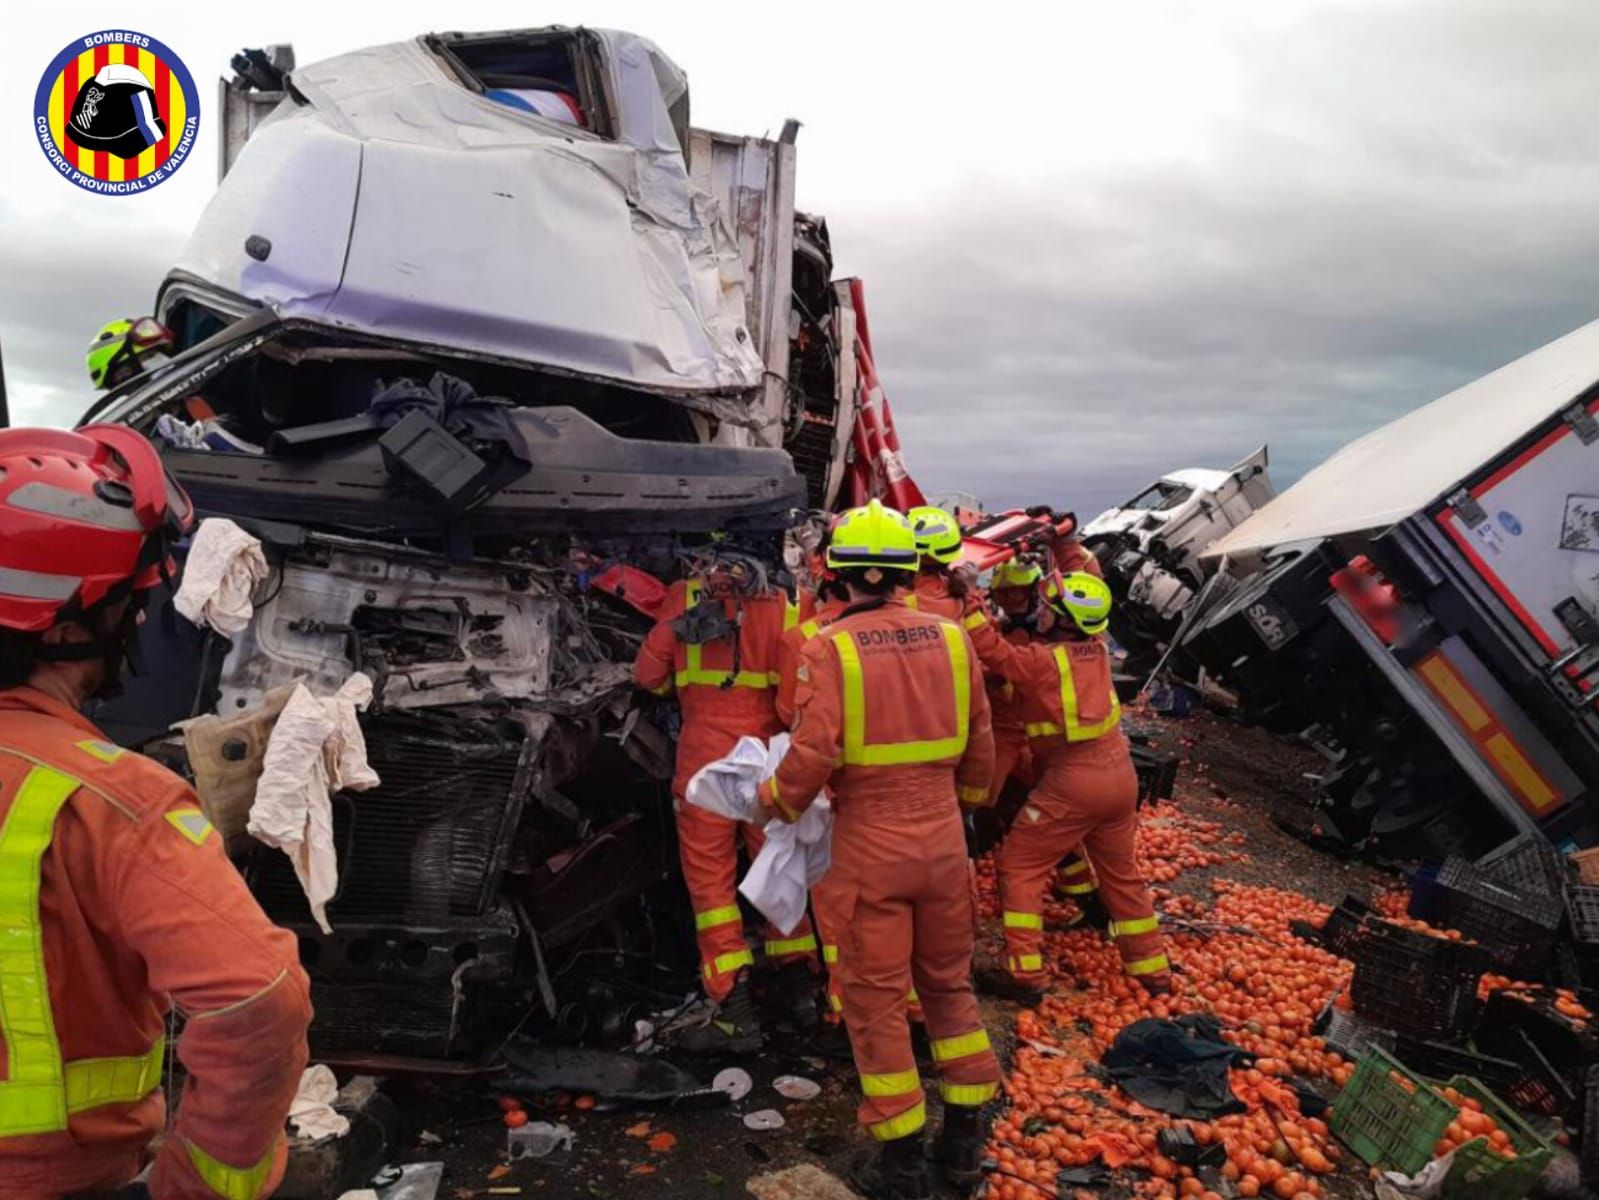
766	1118
797	1087
735	1081
538	1140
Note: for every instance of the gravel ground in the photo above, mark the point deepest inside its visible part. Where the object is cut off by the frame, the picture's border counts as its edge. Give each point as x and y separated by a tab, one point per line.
1241	777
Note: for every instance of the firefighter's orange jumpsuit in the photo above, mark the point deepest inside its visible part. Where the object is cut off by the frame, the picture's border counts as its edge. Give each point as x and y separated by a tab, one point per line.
116	903
1086	795
721	700
891	712
932	595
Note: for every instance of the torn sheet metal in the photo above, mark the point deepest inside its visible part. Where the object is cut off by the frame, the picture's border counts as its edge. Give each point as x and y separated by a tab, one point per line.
563	248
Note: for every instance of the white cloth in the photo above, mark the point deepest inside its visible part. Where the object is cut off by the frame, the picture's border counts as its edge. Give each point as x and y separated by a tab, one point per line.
795	856
311	1114
316	749
224	565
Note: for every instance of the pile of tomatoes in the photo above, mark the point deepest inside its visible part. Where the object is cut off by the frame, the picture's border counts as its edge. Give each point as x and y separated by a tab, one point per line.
1471	1122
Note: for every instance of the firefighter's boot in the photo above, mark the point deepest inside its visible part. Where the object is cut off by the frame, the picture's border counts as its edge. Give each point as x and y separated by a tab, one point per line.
793	995
895	1170
962	1140
735	1029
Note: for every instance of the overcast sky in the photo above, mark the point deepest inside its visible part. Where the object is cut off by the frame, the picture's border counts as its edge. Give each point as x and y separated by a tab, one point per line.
1099	241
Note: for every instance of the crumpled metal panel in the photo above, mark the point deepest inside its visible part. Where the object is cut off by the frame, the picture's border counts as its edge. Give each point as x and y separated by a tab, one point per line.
398	202
502	647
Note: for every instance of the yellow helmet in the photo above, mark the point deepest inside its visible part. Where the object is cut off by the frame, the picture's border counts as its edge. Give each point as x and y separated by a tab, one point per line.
1013	573
1083	597
874	536
938	535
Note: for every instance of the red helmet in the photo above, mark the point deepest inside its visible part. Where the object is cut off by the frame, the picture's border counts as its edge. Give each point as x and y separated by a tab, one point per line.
86	515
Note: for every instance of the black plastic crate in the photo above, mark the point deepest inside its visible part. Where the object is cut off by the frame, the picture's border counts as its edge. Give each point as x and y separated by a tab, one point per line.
1582	910
1528	862
1438	1061
1414	984
1515	928
1554	1054
1342	928
1157	774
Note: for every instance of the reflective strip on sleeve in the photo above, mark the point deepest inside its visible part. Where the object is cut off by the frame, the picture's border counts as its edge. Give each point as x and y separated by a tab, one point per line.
912	1120
782	947
1136	926
829	953
1077	731
858	752
972	797
968	1095
1029	964
835	1002
233	1183
91	1082
897	1083
789	814
33	1097
726	964
104	751
975	620
1024	920
1149	966
962	1046
712	917
811	628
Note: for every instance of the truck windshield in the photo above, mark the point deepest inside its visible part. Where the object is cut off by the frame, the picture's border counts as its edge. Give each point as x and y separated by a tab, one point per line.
1161	496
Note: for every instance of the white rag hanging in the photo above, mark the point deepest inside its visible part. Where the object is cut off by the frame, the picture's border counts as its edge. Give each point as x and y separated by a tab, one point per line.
795	856
316	749
219	575
311	1113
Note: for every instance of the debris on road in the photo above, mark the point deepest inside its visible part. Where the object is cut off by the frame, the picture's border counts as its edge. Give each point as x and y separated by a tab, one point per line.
797	1087
538	1140
764	1119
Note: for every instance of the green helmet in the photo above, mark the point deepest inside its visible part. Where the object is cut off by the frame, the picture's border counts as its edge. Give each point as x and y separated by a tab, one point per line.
117	350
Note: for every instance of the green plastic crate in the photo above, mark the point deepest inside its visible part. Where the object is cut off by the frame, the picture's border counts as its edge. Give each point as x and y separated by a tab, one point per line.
1478	1172
1384	1123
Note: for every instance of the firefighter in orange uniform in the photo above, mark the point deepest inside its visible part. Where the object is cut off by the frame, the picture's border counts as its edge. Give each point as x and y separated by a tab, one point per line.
1087	789
891	712
936	588
116	899
715	645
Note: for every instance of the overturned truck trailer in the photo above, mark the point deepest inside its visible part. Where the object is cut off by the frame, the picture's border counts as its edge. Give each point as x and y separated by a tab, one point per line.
1429	597
485	343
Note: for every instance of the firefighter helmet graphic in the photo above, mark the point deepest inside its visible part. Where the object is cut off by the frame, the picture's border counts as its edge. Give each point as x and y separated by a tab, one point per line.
116	112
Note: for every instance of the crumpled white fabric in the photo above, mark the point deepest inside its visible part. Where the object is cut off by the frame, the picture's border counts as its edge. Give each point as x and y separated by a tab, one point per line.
224	565
795	856
316	749
311	1114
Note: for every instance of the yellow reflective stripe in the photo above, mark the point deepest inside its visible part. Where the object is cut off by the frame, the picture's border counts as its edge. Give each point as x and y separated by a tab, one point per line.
829	953
1028	963
234	1183
811	628
968	1095
972	796
91	1082
104	751
1076	889
778	947
835	1002
1076	867
1135	926
1024	920
912	998
33	1098
712	917
913	602
1149	966
664	689
1042	729
789	814
726	964
912	1120
791	613
897	1083
975	620
892	754
744	679
966	1044
1076	731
